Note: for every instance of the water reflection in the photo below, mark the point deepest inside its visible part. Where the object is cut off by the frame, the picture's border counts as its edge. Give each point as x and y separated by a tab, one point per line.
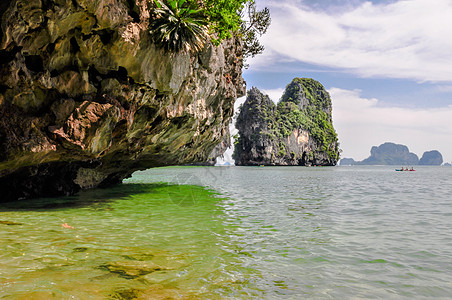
84	198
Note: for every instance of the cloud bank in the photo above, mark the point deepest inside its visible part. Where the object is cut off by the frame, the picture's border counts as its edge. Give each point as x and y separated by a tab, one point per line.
361	123
403	39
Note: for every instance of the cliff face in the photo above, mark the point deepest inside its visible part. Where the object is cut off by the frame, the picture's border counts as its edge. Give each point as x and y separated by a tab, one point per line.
297	131
86	98
253	146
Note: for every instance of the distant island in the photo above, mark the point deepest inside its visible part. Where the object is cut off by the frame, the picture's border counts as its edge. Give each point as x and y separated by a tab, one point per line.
347	162
298	131
396	154
431	158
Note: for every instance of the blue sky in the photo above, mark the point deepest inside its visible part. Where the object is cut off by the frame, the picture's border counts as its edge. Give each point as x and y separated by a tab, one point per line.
387	65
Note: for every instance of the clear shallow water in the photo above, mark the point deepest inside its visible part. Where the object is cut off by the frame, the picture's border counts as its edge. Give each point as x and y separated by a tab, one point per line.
237	232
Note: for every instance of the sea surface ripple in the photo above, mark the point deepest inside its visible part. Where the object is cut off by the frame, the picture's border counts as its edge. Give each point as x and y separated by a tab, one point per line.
237	233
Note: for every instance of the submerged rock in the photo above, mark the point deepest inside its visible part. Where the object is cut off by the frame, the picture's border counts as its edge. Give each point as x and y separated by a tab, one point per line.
154	291
86	98
131	269
130	293
296	131
10	223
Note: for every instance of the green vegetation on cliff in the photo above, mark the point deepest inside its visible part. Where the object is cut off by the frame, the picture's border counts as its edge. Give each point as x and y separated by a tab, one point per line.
178	25
296	131
184	24
306	104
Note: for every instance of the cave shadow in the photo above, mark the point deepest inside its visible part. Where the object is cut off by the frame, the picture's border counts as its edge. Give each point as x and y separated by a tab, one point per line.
85	198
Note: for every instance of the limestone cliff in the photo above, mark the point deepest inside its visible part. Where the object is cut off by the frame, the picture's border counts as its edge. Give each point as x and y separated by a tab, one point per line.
297	131
86	98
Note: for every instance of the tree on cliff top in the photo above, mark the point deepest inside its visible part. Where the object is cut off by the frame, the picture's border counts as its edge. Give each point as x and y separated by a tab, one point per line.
178	25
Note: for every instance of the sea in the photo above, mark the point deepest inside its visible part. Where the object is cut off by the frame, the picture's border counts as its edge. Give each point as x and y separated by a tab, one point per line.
359	232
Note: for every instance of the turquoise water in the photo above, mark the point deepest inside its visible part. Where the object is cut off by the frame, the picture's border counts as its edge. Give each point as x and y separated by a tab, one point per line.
237	233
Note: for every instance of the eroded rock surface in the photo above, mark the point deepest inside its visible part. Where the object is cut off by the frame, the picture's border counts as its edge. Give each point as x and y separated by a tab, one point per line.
86	98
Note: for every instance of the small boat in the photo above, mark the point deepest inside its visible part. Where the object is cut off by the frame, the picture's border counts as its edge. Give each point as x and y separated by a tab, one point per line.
404	170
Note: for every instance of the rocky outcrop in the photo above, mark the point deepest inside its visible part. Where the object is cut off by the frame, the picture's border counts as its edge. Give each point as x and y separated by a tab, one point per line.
297	131
431	158
390	154
86	98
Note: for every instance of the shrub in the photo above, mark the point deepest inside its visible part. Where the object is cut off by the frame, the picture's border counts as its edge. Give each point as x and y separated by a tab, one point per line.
188	24
178	25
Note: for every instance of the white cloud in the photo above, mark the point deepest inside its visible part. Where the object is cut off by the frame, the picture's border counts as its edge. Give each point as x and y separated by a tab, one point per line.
274	94
404	39
361	123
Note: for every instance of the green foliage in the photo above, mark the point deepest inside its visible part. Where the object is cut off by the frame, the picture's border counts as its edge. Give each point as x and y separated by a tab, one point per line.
229	16
282	150
178	25
224	17
256	25
292	114
290	91
236	138
187	24
307	89
289	117
238	143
